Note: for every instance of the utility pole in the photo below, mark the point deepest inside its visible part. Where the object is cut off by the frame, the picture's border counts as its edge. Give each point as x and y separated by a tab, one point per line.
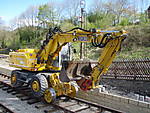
82	6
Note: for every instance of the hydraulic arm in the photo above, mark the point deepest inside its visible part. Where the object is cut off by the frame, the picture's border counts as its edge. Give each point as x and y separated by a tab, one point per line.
39	68
109	40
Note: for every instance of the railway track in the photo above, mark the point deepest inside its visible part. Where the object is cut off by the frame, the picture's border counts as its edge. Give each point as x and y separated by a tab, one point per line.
134	70
4	109
3	56
63	104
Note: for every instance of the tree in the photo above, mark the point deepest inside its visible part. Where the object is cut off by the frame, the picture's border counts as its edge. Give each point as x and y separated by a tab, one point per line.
99	15
29	17
47	15
3	38
118	8
2	22
72	9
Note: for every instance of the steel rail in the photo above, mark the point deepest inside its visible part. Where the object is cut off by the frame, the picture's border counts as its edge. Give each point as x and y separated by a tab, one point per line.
97	105
3	56
7	86
7	110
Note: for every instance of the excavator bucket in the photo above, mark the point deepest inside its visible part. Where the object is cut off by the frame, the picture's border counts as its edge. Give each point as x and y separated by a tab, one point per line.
75	71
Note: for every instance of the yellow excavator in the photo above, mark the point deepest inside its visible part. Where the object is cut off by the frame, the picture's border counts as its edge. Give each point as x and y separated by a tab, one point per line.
38	67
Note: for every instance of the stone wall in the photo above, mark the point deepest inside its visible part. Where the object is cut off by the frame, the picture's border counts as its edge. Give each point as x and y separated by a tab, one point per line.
116	102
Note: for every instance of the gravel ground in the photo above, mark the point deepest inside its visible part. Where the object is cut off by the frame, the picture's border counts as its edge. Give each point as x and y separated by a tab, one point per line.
16	104
3	110
109	89
11	101
5	68
4	61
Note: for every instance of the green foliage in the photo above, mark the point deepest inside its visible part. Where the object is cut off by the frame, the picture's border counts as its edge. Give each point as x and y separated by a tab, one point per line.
47	15
139	35
139	52
3	44
4	37
136	45
124	22
99	20
143	18
65	26
26	34
14	45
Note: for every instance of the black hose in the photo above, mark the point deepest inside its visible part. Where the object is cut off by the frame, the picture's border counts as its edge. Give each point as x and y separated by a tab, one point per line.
101	44
76	29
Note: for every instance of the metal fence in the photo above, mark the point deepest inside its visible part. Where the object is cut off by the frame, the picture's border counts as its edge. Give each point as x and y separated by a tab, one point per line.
136	69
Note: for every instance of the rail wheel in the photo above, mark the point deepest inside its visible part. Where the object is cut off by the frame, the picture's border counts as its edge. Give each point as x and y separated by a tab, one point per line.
49	95
38	85
15	79
74	90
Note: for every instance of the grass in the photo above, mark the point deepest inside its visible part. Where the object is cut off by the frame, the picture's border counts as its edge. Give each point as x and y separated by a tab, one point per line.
139	52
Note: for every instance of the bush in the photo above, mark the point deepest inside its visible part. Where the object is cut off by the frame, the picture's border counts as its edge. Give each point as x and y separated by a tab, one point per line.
124	22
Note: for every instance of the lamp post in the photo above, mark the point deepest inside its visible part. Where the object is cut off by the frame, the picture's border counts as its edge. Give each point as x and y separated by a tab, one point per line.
82	6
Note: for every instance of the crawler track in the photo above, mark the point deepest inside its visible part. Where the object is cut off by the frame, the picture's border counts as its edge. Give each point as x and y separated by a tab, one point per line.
64	104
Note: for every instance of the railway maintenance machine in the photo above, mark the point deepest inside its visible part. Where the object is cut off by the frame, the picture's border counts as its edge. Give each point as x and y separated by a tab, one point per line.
39	70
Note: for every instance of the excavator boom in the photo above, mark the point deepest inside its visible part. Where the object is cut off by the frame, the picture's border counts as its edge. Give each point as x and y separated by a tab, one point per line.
44	59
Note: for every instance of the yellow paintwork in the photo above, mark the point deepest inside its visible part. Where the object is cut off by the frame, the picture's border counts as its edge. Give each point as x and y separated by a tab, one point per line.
13	79
106	59
61	88
48	96
27	58
23	58
35	86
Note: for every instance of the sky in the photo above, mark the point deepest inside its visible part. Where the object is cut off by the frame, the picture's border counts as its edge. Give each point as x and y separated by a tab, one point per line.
10	9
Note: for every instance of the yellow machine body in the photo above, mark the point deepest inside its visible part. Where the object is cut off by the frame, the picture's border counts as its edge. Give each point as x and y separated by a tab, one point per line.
24	59
43	59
